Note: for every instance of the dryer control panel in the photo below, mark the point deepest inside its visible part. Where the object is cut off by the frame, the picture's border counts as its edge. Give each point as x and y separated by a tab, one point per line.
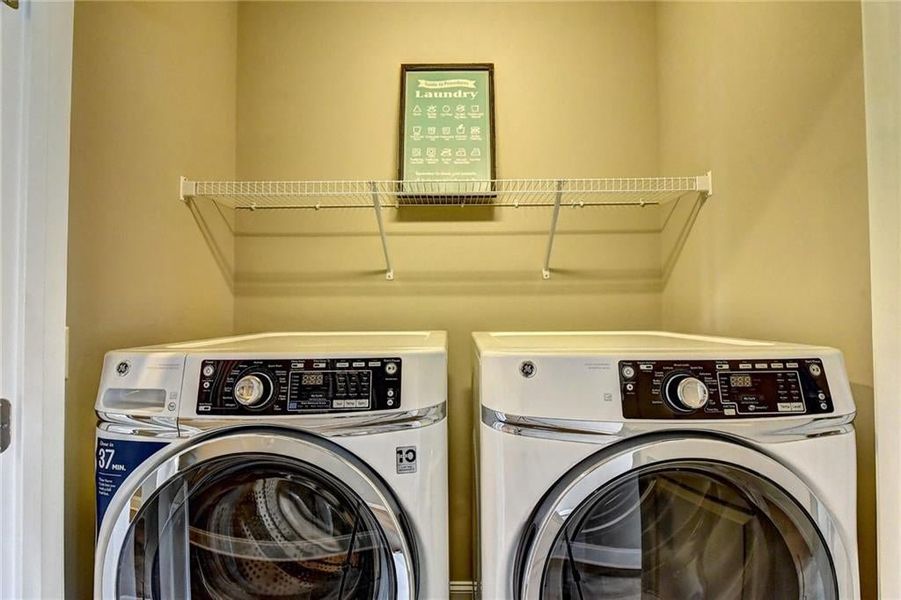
723	389
298	386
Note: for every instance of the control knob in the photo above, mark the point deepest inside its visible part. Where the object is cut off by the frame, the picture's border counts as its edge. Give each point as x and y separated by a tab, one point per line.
253	390
686	393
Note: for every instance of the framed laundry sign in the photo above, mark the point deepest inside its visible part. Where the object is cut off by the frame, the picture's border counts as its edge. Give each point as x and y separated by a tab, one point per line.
446	145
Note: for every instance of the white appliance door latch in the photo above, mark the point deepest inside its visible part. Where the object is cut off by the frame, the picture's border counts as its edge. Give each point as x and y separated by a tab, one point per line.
5	421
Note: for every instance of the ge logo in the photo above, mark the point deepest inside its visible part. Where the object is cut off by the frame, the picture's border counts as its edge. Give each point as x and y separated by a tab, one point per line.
406	459
527	369
123	368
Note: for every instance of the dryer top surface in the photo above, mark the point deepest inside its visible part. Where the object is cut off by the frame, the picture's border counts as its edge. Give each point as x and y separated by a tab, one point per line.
612	342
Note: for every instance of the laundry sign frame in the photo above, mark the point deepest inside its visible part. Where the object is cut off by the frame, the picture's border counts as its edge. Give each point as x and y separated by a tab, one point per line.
444	86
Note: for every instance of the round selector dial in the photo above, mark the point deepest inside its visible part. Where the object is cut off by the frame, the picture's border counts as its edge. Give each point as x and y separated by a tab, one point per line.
685	392
253	390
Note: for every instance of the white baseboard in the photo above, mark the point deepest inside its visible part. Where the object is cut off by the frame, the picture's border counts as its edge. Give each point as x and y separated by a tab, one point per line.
461	590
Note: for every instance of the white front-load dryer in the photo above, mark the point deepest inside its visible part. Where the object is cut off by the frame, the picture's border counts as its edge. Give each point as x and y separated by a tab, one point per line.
286	465
656	465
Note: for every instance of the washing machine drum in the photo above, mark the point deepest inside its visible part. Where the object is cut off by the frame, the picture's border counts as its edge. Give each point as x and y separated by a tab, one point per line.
256	528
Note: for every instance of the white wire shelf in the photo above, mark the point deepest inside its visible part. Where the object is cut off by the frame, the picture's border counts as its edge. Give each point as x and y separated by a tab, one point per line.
316	195
377	195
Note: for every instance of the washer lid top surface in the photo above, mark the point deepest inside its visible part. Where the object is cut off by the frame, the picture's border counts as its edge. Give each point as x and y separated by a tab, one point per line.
162	383
331	341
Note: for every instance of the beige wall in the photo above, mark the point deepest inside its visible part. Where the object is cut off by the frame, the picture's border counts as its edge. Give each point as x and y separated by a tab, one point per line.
153	98
770	96
575	96
882	50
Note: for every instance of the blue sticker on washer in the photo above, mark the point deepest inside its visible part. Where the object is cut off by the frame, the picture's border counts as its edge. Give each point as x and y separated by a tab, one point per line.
116	459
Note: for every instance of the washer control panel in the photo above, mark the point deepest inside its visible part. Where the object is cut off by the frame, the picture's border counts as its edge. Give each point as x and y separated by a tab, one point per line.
723	389
298	386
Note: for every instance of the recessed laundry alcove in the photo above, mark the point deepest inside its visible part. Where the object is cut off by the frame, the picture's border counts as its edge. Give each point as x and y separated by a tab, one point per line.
766	96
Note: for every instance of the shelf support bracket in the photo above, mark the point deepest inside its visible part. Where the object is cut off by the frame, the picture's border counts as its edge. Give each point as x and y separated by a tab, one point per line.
186	188
558	198
705	184
377	206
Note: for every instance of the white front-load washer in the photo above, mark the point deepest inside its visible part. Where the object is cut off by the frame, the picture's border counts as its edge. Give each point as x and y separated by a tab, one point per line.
284	465
657	465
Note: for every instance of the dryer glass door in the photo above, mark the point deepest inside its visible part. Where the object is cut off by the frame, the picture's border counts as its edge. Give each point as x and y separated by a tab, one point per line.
682	517
249	524
689	530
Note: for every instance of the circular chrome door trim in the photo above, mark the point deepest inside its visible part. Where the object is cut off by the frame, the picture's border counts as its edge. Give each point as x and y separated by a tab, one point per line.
282	442
602	468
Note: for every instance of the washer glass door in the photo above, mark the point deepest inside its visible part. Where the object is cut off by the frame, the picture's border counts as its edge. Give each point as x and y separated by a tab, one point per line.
689	529
255	526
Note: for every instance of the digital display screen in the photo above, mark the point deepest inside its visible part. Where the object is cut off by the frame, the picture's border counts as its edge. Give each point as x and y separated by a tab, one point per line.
740	381
312	379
